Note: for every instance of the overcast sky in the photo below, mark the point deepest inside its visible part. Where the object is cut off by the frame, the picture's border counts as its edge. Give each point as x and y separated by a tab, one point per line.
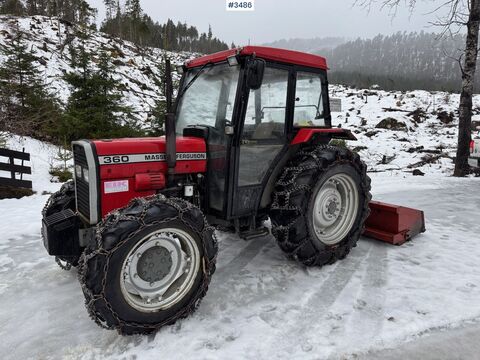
277	19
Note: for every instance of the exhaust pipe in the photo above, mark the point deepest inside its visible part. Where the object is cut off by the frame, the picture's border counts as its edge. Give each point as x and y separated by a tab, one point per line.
171	146
170	131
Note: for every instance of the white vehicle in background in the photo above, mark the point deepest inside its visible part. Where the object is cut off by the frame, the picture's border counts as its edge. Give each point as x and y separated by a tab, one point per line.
474	159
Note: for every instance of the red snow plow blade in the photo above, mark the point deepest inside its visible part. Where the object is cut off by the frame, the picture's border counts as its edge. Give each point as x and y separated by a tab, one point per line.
392	223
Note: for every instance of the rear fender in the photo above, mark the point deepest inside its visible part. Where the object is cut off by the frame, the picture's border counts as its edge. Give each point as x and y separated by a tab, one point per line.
305	135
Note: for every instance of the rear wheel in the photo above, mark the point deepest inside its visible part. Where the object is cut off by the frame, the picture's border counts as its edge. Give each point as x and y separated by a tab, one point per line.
151	265
62	200
320	205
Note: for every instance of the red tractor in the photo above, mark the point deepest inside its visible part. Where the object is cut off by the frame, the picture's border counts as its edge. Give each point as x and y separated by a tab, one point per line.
248	140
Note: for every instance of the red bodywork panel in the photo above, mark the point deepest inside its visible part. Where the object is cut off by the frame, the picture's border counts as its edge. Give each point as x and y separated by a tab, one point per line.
267	53
392	223
304	135
141	163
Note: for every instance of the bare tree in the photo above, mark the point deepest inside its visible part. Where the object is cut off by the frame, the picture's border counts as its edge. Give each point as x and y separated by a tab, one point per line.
461	14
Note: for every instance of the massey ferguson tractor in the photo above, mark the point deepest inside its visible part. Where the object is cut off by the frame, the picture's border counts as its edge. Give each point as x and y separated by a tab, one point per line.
247	139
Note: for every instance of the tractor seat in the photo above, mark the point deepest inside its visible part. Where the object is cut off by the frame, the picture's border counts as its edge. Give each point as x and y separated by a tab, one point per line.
265	131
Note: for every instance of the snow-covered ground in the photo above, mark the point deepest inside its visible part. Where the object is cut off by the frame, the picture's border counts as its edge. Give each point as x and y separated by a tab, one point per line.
424	137
259	304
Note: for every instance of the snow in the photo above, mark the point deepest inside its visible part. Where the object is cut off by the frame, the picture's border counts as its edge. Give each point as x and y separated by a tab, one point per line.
259	305
430	133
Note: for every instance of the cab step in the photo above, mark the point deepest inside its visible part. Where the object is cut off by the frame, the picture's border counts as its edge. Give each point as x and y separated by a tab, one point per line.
253	234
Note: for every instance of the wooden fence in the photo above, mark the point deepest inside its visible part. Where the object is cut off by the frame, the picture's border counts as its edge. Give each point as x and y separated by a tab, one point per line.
15	169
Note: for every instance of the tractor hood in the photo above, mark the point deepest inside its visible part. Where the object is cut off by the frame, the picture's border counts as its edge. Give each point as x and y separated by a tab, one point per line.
137	167
148	155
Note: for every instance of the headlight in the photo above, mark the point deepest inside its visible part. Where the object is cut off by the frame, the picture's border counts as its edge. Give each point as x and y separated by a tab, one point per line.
85	174
78	171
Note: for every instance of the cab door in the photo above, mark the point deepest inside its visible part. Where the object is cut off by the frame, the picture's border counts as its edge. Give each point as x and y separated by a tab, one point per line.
262	138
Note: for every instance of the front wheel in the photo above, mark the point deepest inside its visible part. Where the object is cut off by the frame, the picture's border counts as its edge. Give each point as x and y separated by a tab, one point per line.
151	265
320	205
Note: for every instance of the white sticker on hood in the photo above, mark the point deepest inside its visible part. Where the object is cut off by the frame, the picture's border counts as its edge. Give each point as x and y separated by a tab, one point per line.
115	186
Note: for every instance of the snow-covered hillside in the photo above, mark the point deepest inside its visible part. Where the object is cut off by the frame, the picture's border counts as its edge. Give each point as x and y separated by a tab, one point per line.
50	39
402	131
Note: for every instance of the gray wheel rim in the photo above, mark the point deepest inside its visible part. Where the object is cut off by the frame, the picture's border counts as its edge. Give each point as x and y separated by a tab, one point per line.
160	270
335	208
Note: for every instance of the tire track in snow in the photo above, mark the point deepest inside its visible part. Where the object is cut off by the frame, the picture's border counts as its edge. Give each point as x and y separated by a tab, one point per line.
315	309
247	254
371	317
366	322
221	288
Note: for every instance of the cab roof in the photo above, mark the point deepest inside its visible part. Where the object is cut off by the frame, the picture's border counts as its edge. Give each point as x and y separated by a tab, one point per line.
263	52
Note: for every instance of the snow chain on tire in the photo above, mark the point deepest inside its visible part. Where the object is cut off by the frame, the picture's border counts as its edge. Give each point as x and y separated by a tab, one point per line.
58	201
292	192
137	214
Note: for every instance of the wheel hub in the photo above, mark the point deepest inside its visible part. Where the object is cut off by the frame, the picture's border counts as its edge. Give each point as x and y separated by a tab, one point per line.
332	207
154	264
159	270
329	205
335	208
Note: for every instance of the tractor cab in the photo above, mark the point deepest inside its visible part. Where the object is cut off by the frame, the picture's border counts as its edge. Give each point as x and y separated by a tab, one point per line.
249	105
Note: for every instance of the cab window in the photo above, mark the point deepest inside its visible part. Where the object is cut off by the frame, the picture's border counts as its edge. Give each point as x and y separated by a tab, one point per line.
266	110
308	100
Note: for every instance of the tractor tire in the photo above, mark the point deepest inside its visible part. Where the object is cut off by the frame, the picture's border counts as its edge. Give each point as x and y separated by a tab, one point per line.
151	264
320	204
61	200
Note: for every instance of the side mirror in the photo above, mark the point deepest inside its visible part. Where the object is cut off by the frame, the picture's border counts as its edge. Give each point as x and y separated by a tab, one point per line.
255	70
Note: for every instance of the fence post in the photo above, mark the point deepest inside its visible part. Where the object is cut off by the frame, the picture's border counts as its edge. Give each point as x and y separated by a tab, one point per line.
21	174
12	173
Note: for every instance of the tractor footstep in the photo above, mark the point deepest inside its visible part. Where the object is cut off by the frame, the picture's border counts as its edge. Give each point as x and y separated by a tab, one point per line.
253	234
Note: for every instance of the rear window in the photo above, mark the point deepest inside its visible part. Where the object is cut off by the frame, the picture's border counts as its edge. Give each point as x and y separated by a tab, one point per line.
308	100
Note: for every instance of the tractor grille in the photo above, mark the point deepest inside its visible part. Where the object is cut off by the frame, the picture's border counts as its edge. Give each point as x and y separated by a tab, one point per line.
82	187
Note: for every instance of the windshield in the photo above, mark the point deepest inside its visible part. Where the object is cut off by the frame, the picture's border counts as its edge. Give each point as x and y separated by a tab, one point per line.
210	98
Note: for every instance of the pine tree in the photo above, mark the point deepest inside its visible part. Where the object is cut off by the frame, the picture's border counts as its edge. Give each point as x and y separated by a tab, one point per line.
94	109
84	13
133	25
64	155
33	7
52	8
12	7
159	111
135	10
26	108
110	9
210	33
157	120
